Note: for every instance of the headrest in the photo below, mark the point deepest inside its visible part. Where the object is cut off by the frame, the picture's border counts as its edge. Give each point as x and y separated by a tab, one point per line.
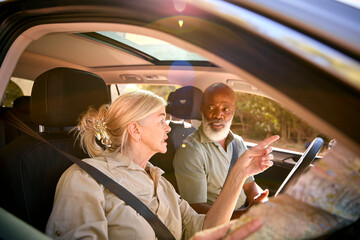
60	95
22	104
185	103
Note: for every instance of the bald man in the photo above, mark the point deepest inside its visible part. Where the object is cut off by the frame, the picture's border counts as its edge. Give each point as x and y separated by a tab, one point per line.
202	163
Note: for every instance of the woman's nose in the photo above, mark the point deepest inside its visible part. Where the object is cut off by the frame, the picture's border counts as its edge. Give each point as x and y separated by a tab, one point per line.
167	128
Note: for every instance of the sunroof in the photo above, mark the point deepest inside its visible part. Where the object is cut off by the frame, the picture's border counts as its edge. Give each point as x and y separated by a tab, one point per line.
156	48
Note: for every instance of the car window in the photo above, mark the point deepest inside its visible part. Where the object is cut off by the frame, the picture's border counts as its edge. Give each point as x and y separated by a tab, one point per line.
258	117
161	90
17	87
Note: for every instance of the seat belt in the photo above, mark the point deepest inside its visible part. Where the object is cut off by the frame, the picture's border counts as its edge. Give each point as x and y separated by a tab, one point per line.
161	231
235	155
234	158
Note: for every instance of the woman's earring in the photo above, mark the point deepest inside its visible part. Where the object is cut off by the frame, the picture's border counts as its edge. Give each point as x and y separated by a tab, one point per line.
139	139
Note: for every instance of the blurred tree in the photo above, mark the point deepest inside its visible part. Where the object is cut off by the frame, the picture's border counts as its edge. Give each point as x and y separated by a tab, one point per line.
258	117
161	90
12	92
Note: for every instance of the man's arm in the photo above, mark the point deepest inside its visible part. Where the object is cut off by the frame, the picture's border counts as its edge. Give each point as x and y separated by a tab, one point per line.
262	197
250	163
252	190
203	208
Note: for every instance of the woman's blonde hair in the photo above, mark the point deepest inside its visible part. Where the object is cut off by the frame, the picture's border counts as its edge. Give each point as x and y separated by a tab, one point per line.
127	108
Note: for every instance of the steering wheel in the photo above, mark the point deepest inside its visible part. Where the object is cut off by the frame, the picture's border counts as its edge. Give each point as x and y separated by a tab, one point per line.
301	165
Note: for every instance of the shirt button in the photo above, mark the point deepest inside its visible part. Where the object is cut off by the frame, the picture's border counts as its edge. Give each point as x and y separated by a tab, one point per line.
58	233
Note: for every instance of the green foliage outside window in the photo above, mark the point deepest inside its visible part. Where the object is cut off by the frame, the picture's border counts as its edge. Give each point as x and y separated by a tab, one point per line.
258	117
162	91
13	91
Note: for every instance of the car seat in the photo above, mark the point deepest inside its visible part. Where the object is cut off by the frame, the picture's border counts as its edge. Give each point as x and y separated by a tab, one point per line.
29	168
183	104
21	109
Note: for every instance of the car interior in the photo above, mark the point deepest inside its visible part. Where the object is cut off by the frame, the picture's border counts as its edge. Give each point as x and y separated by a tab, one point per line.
64	86
33	167
21	109
73	66
184	110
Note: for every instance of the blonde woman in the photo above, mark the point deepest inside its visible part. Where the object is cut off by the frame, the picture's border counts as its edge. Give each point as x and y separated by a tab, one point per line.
121	138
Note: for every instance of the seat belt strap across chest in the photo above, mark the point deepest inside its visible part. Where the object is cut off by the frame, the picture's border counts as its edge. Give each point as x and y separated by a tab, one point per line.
161	231
235	155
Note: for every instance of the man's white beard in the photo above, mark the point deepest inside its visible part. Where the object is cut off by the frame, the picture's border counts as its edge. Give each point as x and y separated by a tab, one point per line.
214	135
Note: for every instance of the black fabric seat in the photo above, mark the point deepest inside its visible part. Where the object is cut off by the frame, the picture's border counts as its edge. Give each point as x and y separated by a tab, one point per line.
183	104
29	168
21	109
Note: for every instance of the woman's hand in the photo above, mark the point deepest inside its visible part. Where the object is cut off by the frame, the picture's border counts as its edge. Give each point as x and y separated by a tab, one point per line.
256	159
252	162
223	231
265	143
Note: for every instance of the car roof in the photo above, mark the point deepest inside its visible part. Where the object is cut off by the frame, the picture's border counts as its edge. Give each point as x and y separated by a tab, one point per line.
334	21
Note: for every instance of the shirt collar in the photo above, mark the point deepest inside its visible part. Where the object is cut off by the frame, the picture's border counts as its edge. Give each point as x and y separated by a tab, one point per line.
119	160
203	138
154	170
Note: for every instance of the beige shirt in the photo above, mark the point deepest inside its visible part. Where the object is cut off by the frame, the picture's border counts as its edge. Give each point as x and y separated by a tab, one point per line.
83	208
201	167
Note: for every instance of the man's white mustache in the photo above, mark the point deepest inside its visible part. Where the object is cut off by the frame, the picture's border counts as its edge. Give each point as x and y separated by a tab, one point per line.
216	121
